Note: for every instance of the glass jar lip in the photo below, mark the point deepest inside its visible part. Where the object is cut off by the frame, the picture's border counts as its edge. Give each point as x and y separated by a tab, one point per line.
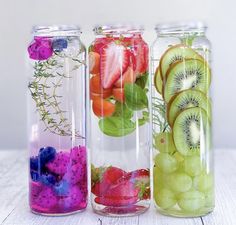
113	29
56	30
181	27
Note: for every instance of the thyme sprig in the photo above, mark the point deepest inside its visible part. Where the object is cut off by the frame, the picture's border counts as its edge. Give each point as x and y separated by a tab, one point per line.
44	88
159	114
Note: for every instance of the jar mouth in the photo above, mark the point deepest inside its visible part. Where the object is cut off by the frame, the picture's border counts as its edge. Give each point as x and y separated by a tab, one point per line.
118	29
56	30
182	27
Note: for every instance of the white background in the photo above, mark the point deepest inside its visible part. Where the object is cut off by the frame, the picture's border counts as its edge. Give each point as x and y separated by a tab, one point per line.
17	17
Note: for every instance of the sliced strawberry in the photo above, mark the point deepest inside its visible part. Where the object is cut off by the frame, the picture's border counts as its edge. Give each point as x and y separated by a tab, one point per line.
141	52
103	178
127	78
99	43
116	201
119	94
113	62
94	63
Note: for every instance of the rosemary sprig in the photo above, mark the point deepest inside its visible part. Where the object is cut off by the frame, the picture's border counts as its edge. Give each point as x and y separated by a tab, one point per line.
44	88
159	114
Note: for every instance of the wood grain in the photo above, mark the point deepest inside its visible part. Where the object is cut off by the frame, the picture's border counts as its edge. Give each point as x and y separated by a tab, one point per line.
14	208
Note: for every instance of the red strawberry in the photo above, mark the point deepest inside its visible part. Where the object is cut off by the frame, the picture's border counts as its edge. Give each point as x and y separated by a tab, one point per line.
114	62
141	52
116	202
104	177
99	43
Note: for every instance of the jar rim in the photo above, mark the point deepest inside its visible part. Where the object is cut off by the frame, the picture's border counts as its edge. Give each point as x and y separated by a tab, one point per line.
181	27
118	29
56	30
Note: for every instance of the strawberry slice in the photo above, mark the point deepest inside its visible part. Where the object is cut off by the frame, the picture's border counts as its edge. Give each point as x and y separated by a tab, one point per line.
141	52
113	62
116	201
104	177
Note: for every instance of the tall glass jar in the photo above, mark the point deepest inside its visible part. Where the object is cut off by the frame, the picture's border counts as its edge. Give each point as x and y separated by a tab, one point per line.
181	120
119	121
56	86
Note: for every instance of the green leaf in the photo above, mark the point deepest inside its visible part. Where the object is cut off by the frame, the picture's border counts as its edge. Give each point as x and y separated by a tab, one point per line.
142	80
145	118
135	97
122	111
116	126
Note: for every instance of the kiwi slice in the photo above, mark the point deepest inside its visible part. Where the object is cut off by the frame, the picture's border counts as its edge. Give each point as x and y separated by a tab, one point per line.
187	99
158	81
191	131
176	53
187	74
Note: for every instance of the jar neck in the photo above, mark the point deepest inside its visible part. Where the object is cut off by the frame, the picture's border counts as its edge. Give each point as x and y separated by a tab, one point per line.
56	31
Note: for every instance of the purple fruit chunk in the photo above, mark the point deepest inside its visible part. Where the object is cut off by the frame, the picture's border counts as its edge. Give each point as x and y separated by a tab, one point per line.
62	188
46	155
75	173
78	155
48	179
34	163
46	198
59	164
75	198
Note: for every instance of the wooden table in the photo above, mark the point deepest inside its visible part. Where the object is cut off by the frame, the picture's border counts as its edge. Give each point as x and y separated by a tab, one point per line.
14	208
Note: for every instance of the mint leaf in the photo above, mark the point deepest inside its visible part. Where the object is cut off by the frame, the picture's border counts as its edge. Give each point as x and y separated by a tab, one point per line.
135	97
145	118
142	80
122	111
116	126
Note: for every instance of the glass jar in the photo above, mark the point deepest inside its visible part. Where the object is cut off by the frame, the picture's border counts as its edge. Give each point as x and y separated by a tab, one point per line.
56	121
119	121
181	120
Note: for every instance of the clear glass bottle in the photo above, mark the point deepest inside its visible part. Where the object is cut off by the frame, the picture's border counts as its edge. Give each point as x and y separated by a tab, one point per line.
181	120
119	121
56	86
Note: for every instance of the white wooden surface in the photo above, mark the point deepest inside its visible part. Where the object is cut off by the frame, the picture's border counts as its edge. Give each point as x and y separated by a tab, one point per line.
14	208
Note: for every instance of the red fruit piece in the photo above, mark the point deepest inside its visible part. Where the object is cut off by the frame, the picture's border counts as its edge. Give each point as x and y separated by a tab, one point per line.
127	78
103	108
119	94
59	164
116	202
113	62
104	177
141	52
99	43
94	63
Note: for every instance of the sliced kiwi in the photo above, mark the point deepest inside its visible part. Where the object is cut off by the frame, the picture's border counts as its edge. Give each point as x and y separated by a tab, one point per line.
187	99
158	81
191	131
176	53
187	74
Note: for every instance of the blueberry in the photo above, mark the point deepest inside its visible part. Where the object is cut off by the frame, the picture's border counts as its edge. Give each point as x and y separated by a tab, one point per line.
34	163
59	44
48	179
46	155
34	175
62	188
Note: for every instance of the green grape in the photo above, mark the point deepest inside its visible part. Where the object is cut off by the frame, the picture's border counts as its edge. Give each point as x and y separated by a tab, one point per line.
159	179
209	199
164	142
203	182
192	165
191	200
178	157
165	198
180	182
166	162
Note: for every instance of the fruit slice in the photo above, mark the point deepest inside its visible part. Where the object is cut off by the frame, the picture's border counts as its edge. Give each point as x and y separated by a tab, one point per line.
119	94
184	100
191	131
158	81
164	142
194	74
96	89
116	202
103	108
114	62
127	78
176	53
103	177
94	63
